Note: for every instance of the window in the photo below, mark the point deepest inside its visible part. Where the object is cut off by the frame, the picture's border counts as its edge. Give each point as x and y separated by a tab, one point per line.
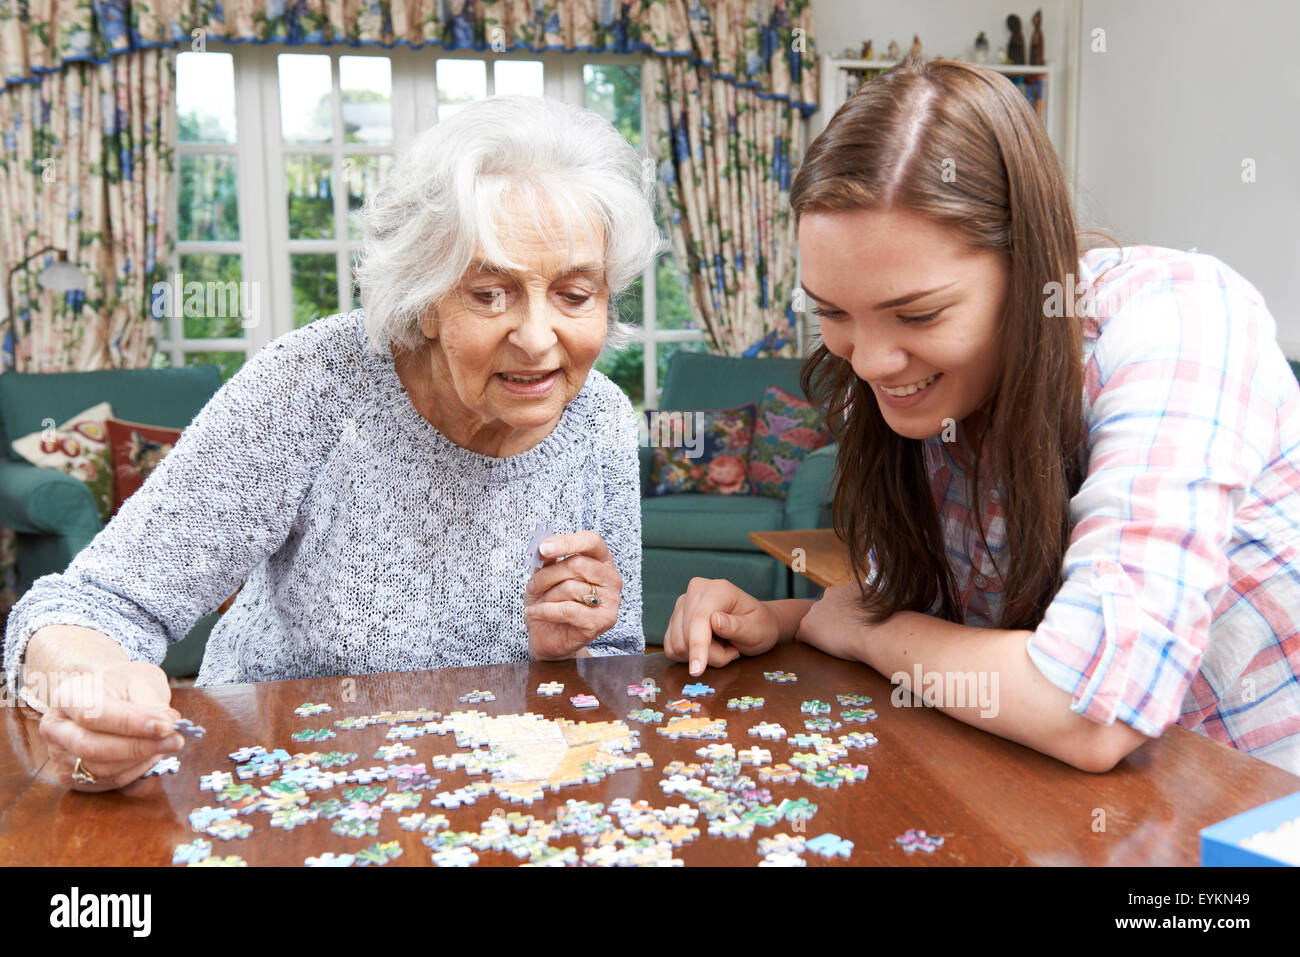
277	151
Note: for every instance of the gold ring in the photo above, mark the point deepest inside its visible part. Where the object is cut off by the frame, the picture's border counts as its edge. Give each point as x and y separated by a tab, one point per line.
593	599
81	775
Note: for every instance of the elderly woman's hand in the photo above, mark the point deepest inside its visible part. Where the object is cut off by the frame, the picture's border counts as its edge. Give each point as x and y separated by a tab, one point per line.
558	607
112	713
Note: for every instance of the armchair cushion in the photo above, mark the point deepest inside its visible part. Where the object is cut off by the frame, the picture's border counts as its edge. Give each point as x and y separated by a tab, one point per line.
711	522
713	462
786	429
79	447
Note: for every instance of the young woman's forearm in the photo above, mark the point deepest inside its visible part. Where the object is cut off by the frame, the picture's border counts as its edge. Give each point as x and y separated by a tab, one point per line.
57	650
985	678
1019	704
789	613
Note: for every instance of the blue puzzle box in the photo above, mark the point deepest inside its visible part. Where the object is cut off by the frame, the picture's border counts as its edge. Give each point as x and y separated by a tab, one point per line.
1221	844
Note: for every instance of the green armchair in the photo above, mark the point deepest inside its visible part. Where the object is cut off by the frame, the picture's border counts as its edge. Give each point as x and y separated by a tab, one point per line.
53	514
686	535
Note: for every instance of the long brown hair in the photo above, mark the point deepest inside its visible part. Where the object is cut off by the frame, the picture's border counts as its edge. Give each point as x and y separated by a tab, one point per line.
890	146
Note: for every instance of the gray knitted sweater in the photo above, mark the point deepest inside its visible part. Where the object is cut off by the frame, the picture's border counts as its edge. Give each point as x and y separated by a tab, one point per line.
365	540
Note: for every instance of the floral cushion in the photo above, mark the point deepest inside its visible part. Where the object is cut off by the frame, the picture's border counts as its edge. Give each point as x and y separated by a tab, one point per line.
703	451
80	448
137	449
788	427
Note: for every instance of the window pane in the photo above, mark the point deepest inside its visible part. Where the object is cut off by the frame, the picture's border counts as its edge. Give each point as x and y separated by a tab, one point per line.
210	299
363	175
315	281
209	209
367	91
626	367
228	362
309	183
205	97
459	82
615	93
672	306
306	103
517	77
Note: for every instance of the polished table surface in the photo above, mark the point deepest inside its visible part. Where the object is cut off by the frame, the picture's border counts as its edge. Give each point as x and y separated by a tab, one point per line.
823	559
994	802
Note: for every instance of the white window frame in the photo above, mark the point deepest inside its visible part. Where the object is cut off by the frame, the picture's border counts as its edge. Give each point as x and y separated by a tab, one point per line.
264	247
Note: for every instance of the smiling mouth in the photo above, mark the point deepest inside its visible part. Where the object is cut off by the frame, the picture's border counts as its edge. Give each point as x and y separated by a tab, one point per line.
532	379
904	391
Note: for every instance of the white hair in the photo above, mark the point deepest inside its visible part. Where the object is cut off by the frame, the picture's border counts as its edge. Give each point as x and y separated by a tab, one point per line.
438	205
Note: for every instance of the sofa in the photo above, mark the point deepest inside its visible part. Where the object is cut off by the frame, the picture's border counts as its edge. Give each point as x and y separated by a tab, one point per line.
685	535
52	513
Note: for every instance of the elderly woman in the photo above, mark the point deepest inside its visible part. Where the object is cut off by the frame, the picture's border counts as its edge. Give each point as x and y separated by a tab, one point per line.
375	479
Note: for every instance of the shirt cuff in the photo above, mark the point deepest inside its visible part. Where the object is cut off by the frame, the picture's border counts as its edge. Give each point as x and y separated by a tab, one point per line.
1086	646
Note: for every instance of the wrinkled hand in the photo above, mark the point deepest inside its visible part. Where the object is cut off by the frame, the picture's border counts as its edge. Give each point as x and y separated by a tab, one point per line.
560	623
118	721
715	623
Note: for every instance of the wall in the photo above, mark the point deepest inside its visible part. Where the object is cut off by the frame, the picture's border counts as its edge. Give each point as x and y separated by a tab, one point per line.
1184	92
1166	116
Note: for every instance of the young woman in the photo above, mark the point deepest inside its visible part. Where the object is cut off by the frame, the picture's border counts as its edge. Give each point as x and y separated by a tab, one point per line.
1078	478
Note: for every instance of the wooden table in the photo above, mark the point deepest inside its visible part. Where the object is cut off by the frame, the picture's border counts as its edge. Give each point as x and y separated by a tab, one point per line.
993	801
823	558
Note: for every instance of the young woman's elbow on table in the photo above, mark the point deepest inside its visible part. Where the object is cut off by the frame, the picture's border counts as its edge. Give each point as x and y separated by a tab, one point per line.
1098	748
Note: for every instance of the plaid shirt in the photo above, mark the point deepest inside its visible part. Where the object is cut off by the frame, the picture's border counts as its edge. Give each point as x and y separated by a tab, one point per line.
1181	594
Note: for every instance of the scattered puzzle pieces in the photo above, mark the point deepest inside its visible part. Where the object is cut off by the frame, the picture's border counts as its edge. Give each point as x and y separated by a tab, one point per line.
914	840
188	728
783	677
858	714
647	716
474	697
697	690
317	734
329	859
550	688
745	703
168	765
858	739
308	710
707	728
584	701
682	706
193	852
768	730
830	845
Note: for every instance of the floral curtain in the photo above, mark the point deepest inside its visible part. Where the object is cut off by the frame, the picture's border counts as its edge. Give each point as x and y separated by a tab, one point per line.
725	158
751	42
85	169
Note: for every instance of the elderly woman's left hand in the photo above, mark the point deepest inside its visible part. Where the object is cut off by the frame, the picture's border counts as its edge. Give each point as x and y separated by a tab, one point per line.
557	606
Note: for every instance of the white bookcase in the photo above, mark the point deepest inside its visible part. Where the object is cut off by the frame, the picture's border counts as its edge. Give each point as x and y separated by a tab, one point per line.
1057	88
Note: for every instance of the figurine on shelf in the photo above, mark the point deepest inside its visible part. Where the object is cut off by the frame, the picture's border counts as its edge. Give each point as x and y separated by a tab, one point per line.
981	49
891	52
1001	56
1016	45
1036	41
916	46
867	52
